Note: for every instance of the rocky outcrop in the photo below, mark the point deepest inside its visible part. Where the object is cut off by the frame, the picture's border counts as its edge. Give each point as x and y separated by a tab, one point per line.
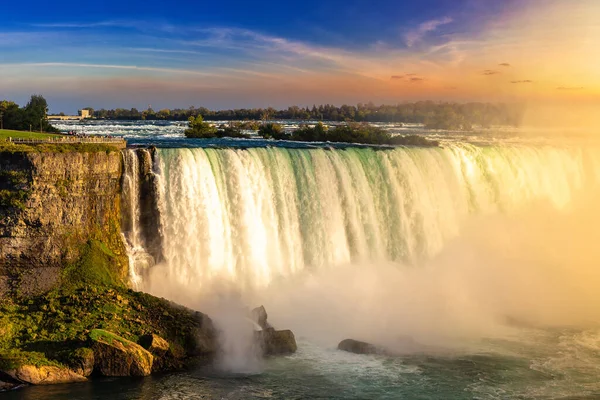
82	361
275	342
271	341
44	375
164	358
154	344
52	205
259	316
115	356
358	347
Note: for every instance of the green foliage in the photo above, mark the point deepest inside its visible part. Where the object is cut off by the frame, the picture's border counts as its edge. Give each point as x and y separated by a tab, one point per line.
14	358
448	119
317	133
13	198
352	132
483	114
31	117
197	128
272	131
413	140
98	265
233	129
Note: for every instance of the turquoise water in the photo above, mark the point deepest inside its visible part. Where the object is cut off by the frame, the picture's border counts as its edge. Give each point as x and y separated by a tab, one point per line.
317	373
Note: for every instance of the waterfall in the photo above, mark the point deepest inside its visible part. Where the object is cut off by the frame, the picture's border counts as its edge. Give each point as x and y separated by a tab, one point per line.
249	217
136	191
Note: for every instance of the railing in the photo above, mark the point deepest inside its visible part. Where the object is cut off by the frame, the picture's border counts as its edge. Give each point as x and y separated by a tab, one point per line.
68	139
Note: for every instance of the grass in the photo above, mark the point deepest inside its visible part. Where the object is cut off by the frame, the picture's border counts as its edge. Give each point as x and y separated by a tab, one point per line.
5	134
8	147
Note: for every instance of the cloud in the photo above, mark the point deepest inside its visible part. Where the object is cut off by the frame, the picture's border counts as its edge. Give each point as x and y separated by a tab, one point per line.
416	35
570	88
504	64
522	81
416	79
395	77
490	72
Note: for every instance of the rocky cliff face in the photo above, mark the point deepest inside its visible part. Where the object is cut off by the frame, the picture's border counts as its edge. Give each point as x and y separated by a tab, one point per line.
59	212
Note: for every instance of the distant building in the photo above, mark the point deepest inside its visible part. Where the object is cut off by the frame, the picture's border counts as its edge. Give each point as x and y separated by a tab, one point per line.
85	114
82	114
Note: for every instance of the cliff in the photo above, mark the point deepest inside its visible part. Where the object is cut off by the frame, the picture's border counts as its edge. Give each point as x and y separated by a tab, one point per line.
60	220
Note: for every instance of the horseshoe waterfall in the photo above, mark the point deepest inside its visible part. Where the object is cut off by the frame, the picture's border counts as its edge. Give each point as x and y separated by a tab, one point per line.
251	217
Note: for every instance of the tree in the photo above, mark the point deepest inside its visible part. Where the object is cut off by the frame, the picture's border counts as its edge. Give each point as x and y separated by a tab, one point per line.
197	128
272	131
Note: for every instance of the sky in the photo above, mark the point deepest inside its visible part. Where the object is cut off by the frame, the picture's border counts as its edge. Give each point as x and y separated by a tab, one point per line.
230	54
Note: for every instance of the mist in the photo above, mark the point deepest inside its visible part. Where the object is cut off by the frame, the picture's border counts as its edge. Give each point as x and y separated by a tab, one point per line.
536	268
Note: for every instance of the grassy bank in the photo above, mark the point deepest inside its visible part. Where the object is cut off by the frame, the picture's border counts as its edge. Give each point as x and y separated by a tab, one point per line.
5	134
67	147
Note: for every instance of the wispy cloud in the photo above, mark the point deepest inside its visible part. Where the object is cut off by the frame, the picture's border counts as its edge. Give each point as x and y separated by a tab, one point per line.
504	65
106	66
522	81
490	72
570	88
416	35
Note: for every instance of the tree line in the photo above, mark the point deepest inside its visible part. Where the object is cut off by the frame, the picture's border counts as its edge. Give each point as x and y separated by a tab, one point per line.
33	116
350	132
435	115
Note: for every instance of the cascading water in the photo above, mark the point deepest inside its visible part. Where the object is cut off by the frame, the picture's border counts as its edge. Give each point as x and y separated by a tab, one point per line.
250	217
137	163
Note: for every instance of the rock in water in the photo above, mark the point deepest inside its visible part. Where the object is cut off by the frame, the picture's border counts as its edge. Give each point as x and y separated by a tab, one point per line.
259	315
277	342
154	344
358	347
115	356
44	375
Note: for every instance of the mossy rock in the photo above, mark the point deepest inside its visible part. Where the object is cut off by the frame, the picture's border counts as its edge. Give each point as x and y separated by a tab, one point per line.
275	342
44	375
116	356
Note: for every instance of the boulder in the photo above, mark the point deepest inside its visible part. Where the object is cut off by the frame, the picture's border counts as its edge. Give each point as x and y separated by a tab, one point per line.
116	356
154	344
7	383
44	375
82	361
358	347
259	315
277	342
165	358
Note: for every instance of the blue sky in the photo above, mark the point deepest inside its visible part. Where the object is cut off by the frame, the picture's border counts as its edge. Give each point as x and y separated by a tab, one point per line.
225	54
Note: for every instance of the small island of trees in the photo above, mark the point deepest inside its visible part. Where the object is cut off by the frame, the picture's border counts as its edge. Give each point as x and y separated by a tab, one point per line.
353	132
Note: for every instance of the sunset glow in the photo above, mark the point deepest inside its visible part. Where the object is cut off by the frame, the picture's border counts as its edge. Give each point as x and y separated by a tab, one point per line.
543	50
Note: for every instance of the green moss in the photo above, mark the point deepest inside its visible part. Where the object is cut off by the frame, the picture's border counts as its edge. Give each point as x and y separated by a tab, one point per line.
98	265
54	328
13	198
11	359
100	335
